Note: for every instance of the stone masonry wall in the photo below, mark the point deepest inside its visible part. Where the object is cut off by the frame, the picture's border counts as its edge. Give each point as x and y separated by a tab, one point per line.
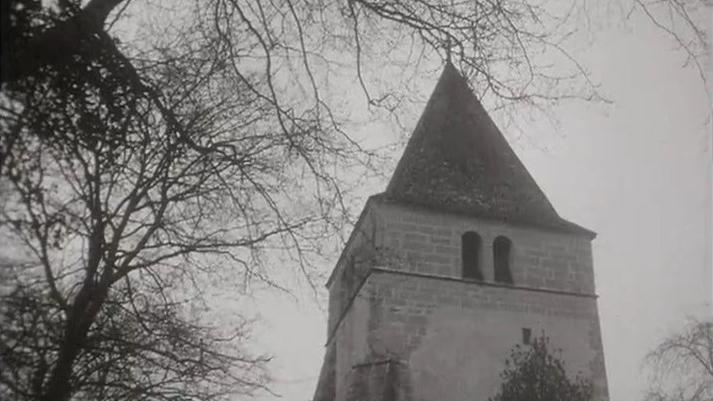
454	336
429	242
450	337
353	265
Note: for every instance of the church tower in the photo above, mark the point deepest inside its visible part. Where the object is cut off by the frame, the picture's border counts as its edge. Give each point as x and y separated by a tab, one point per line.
459	260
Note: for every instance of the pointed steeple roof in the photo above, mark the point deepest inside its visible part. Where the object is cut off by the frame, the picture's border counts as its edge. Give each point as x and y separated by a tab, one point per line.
458	161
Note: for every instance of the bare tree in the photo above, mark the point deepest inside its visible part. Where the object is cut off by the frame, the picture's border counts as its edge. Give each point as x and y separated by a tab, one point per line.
683	21
498	44
122	231
210	140
681	366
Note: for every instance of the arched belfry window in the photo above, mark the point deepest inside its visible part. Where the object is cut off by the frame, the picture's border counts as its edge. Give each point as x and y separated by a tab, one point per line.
502	247
470	255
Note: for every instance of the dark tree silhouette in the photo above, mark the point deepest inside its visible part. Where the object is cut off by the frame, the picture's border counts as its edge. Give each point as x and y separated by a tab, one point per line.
681	366
533	373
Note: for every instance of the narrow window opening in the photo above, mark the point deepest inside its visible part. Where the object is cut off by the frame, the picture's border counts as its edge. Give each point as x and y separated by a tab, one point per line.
470	255
526	335
501	256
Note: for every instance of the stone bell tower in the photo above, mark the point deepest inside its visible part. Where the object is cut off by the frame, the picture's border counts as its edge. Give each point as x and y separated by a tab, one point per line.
460	259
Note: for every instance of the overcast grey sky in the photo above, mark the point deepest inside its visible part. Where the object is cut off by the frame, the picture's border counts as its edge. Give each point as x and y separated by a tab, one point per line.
636	171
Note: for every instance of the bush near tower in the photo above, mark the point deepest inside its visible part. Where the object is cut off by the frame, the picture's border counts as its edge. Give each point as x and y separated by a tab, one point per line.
536	373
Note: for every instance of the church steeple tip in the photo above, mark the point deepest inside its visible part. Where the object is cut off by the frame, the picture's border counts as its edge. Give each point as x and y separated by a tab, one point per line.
458	161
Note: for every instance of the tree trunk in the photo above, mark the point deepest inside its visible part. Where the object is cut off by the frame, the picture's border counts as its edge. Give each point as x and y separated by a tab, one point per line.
84	312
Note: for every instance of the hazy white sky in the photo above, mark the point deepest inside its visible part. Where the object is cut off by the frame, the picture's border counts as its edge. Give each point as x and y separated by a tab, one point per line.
637	172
